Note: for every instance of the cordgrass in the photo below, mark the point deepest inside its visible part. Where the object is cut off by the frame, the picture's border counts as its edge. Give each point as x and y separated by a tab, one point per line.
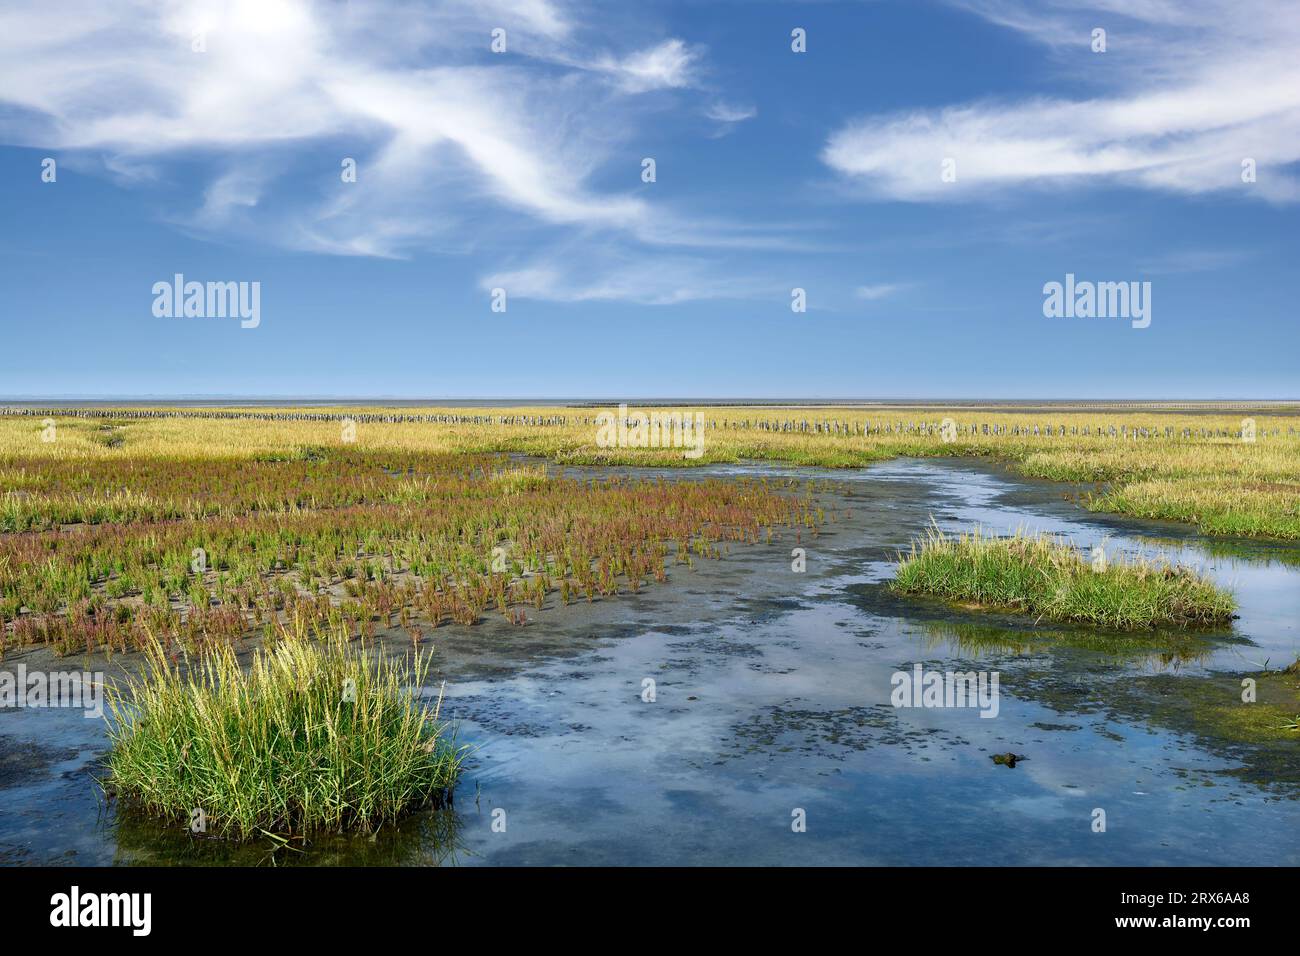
1215	506
1045	577
313	736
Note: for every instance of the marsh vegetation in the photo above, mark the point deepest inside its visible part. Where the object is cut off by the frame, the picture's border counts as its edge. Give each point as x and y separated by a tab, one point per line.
1222	472
196	550
1049	579
208	524
310	736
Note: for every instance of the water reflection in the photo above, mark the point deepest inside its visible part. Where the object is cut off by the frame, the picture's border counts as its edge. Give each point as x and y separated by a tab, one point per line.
1156	650
427	838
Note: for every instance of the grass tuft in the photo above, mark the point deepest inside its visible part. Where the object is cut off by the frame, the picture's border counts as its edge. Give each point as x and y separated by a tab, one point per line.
1048	578
312	736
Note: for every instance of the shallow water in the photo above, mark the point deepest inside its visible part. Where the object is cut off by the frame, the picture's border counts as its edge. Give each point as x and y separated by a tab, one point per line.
772	696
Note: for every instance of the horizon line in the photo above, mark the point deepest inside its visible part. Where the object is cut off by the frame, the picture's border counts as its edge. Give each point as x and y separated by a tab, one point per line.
235	398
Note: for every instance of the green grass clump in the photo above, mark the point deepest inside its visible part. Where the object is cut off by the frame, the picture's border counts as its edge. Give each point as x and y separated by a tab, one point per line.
1215	506
312	736
1045	577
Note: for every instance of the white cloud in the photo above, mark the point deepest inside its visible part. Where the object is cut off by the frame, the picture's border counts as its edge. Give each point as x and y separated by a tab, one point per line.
441	131
1219	85
538	16
729	113
643	279
235	190
668	65
873	293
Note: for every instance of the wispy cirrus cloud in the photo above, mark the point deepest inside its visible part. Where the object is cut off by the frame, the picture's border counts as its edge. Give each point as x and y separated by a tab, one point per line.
619	275
669	65
878	291
1190	91
441	128
728	115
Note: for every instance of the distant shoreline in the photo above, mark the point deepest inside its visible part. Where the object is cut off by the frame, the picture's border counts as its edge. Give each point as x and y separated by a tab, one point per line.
973	404
1056	406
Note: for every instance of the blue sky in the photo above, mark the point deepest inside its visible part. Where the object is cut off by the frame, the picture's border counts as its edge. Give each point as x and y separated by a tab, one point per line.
775	170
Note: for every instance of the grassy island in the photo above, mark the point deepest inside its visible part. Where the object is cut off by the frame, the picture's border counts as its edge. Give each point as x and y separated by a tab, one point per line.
312	736
1050	579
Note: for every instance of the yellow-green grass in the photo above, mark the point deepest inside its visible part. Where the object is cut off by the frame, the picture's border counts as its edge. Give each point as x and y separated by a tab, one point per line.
1182	465
1217	506
312	736
1049	579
